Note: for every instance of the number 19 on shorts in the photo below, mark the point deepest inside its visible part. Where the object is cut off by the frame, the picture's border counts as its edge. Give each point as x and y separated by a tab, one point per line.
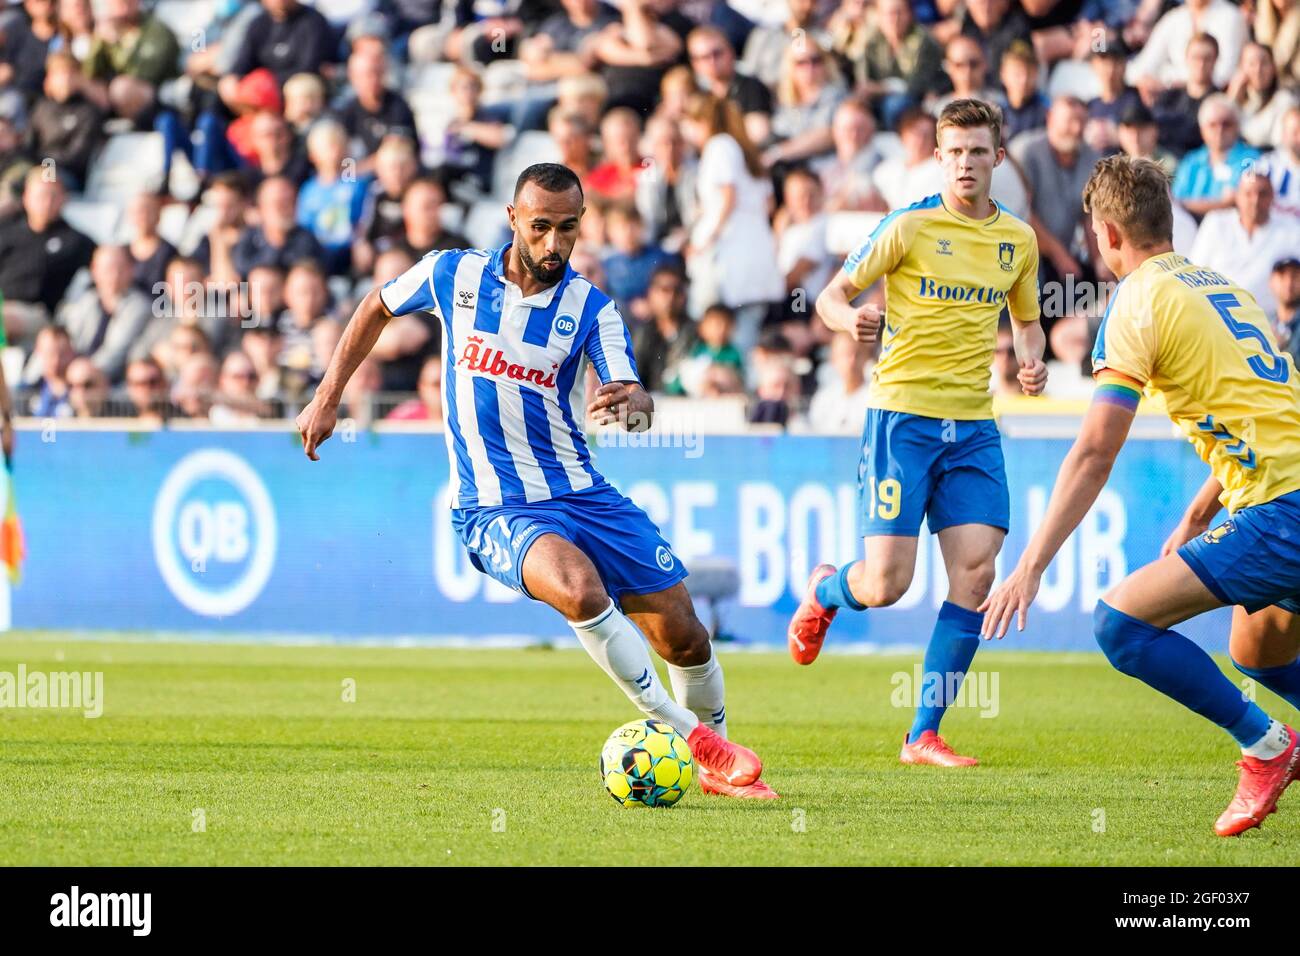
886	498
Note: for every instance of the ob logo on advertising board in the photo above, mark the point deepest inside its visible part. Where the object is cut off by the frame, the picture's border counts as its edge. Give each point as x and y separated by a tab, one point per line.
214	533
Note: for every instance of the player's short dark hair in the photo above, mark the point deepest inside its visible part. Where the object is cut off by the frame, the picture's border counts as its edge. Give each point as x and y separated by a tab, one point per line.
552	177
1132	193
972	114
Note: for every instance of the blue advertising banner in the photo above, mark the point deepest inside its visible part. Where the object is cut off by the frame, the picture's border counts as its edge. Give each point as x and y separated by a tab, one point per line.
200	531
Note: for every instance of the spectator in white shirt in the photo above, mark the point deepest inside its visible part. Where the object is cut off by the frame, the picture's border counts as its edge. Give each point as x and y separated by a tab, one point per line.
915	173
1162	62
840	406
1243	242
1283	166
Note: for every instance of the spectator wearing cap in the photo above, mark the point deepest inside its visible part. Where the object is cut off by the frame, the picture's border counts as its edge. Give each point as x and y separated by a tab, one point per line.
1263	101
1176	109
1138	137
1115	97
65	123
1277	23
901	61
666	336
39	255
277	239
1284	283
994	25
1023	107
1162	62
713	62
330	202
373	110
1057	164
1206	177
665	188
1283	165
1244	241
966	66
427	405
107	319
766	48
846	173
809	91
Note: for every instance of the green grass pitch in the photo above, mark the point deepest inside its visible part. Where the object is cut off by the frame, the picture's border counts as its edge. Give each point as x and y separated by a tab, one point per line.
489	757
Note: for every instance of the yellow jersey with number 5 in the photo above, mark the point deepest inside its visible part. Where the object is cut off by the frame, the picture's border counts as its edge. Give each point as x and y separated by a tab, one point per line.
947	279
1203	344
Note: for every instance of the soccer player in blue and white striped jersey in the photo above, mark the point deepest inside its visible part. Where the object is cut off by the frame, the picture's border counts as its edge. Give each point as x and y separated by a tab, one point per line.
518	327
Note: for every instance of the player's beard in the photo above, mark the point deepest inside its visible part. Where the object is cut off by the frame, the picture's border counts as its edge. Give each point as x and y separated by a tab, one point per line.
542	273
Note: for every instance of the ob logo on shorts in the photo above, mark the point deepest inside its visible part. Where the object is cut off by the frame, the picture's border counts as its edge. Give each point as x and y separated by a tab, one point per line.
664	558
565	326
214	533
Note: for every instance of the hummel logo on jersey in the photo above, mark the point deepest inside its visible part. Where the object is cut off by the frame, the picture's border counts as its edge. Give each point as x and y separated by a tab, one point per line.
945	247
465	298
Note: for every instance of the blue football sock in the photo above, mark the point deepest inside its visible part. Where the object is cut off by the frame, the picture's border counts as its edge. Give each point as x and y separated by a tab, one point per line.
834	591
952	648
1179	669
1283	681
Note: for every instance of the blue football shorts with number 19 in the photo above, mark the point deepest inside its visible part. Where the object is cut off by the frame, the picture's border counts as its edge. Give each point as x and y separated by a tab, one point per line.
944	471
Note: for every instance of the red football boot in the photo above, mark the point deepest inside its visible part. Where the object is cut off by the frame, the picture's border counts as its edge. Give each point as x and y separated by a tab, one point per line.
1258	789
712	783
737	765
930	748
811	621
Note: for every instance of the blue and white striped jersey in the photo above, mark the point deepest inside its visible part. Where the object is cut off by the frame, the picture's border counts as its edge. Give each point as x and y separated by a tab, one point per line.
512	377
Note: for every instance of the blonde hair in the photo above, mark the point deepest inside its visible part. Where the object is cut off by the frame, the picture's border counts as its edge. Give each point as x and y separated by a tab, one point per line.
1133	194
785	91
971	114
723	116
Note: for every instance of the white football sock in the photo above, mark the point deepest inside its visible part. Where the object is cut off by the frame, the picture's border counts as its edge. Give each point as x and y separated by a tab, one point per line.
1275	741
616	645
700	689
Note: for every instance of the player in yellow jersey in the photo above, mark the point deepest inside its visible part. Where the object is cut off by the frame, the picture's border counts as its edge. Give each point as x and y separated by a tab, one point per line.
930	447
1201	342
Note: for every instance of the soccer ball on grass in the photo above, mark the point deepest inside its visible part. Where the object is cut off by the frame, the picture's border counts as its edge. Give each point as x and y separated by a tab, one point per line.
646	763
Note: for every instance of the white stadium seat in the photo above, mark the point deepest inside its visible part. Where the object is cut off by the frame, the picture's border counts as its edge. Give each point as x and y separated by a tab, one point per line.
127	164
485	225
1073	78
532	146
97	219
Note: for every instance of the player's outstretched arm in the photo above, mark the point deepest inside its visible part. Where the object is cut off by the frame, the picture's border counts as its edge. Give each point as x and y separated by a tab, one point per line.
835	306
1083	474
1196	519
1030	342
316	421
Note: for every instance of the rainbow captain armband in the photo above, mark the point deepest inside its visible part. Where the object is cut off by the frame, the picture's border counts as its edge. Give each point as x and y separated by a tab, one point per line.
1115	388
